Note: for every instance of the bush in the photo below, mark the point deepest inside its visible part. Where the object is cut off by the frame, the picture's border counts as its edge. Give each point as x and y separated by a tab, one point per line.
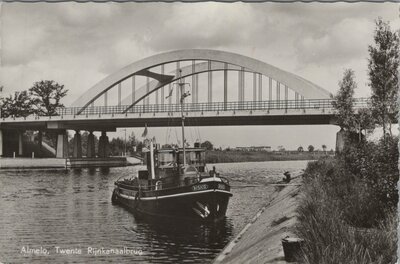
333	210
375	164
347	213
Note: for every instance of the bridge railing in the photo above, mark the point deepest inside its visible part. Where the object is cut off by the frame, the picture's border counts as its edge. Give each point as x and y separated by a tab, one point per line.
214	106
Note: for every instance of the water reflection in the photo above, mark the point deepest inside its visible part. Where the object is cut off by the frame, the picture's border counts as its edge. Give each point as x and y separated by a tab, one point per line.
104	170
182	240
73	209
92	171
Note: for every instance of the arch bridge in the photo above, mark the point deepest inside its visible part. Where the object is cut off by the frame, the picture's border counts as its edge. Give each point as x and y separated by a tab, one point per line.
226	89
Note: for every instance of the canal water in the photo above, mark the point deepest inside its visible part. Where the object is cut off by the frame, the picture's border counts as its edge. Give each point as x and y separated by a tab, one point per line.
67	217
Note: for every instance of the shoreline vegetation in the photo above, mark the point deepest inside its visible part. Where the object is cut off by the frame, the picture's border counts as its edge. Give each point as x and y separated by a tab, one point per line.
223	156
348	208
347	211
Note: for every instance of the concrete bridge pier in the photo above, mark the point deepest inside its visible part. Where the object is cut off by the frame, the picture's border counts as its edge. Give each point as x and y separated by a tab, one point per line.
91	152
77	145
62	144
1	143
20	143
104	148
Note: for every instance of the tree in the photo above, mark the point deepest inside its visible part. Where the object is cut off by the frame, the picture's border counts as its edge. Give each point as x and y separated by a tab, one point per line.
310	148
207	145
132	142
364	121
324	148
19	105
343	101
117	146
383	66
47	96
300	149
170	146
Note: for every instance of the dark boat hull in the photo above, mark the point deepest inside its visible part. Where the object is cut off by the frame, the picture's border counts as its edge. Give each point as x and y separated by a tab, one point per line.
203	205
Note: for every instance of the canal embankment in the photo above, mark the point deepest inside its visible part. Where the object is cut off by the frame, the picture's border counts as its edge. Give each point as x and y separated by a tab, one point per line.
235	156
29	163
260	241
61	163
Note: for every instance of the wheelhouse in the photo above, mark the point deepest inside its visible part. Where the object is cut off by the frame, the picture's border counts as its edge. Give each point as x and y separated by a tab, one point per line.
168	167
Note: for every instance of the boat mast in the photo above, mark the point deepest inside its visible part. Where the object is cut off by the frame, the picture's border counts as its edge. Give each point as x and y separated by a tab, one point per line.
183	95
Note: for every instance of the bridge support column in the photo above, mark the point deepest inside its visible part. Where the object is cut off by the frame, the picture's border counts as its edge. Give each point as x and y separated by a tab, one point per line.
77	145
91	152
133	88
62	145
104	149
259	87
119	94
254	87
209	95
269	93
225	85
20	143
1	143
278	94
162	88
178	67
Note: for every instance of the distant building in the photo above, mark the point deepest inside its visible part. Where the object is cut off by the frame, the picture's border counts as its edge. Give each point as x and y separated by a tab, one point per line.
254	148
263	148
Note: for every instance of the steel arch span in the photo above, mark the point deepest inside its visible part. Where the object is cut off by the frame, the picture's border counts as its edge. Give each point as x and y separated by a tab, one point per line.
215	61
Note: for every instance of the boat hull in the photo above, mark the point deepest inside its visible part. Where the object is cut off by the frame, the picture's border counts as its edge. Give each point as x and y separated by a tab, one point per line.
202	205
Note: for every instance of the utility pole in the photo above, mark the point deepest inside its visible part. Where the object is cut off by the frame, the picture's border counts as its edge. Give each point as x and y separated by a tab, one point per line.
125	143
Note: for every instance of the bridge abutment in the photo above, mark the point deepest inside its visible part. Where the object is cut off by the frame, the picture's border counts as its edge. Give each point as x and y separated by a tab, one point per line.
91	151
340	140
62	144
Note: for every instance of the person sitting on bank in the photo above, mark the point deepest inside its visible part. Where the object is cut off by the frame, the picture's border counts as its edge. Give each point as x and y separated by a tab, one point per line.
287	177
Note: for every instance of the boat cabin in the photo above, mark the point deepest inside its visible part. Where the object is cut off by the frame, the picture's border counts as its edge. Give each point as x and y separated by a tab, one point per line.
168	167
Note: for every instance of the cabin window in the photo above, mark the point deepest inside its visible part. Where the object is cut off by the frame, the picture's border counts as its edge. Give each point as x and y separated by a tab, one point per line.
188	159
197	157
166	159
202	157
193	157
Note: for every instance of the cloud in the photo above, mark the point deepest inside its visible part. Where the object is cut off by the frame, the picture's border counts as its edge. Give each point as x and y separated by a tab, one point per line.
82	43
199	26
79	44
342	42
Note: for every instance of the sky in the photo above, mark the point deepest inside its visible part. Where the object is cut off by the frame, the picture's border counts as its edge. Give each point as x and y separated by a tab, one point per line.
79	44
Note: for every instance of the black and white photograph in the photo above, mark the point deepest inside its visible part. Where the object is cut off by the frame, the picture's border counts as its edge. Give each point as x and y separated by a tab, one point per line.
207	132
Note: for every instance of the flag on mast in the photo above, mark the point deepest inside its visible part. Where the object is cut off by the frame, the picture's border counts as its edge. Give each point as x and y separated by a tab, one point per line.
145	131
170	93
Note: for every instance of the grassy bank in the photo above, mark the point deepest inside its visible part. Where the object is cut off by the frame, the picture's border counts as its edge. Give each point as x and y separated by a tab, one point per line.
347	213
214	156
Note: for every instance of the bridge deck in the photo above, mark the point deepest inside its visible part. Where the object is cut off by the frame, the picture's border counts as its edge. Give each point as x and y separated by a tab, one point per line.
304	112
